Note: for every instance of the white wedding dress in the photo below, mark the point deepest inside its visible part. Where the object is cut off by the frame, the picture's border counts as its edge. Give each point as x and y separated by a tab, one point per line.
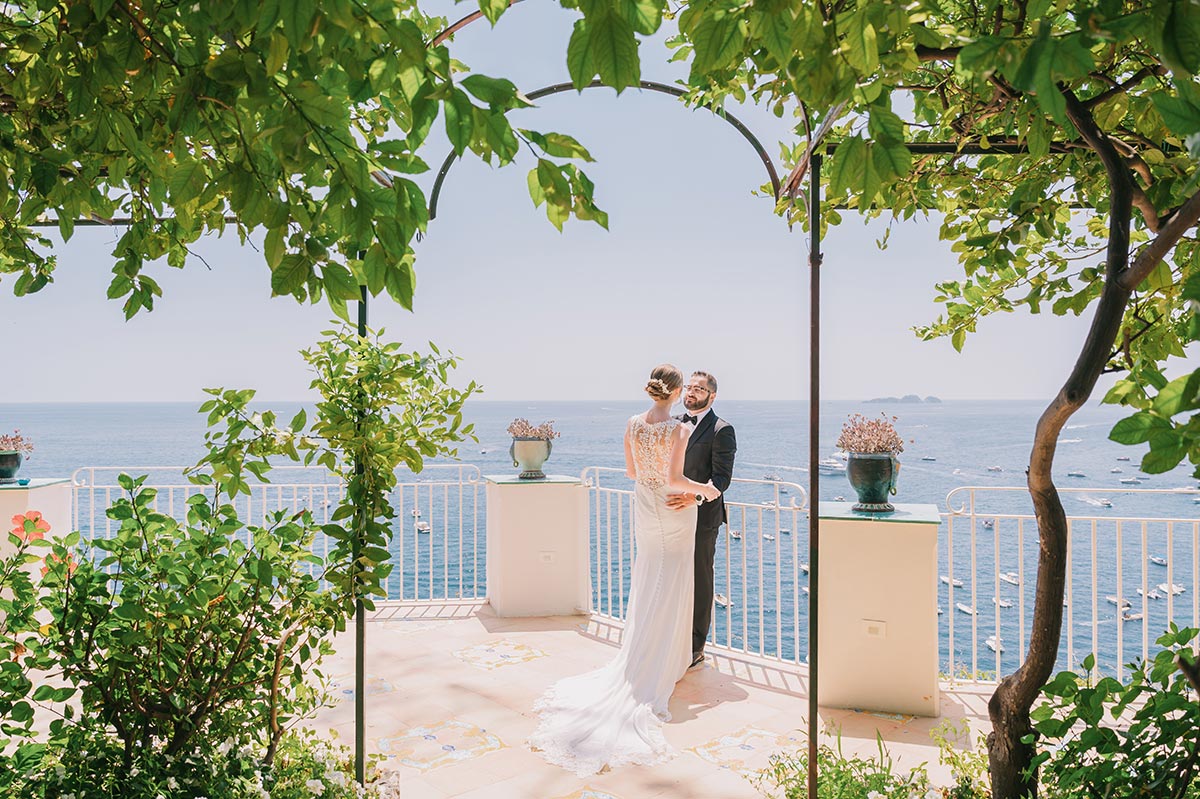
613	716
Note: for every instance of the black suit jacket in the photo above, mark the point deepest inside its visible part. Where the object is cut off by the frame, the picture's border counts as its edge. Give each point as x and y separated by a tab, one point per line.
710	452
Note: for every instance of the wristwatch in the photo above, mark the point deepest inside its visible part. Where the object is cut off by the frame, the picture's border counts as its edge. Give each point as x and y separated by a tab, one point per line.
699	499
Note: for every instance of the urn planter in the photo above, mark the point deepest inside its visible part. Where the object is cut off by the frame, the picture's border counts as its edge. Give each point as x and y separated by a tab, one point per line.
528	455
873	477
10	464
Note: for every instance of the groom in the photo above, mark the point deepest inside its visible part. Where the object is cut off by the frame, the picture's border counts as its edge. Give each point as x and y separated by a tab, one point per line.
709	456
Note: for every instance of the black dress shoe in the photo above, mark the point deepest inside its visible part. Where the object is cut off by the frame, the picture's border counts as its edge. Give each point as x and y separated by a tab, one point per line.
697	659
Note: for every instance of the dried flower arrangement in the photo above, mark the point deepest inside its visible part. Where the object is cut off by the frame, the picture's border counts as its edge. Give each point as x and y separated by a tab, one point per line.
522	428
15	442
860	434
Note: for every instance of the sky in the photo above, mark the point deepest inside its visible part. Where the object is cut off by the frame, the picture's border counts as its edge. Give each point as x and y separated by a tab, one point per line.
695	270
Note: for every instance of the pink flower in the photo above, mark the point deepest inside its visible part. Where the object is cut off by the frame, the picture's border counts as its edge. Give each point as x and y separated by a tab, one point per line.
30	526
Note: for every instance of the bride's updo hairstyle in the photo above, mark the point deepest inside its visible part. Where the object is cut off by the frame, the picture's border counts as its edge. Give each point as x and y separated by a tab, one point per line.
663	380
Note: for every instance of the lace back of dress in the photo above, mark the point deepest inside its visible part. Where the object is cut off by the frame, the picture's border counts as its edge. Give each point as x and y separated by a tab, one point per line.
652	450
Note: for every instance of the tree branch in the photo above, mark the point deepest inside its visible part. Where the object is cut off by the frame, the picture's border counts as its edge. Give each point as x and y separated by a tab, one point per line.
935	54
1157	70
1178	223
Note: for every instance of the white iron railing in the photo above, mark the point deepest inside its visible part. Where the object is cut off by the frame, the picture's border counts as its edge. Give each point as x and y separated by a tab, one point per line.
761	577
1117	568
437	546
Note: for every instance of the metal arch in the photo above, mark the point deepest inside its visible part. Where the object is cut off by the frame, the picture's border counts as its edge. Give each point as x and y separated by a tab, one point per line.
654	86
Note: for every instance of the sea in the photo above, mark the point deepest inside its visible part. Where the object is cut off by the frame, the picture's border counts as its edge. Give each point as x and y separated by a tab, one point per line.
949	445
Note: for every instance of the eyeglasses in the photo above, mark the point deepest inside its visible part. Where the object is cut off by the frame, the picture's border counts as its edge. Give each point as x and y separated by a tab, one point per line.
691	389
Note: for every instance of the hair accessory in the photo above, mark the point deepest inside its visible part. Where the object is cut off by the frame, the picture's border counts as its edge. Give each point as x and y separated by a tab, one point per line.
662	384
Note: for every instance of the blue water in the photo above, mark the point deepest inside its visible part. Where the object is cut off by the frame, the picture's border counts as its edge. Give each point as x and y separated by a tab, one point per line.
963	439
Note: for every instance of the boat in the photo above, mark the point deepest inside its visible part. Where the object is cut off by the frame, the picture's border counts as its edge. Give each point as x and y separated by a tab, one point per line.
416	514
770	476
735	535
1129	481
768	537
1011	578
831	466
722	600
1174	589
784	531
804	568
1127	616
928	458
957	583
967	609
804	588
994	643
1120	602
783	489
1116	470
1002	603
940	611
995	468
840	498
1123	458
1151	594
1157	561
770	503
424	527
1076	474
989	523
1105	503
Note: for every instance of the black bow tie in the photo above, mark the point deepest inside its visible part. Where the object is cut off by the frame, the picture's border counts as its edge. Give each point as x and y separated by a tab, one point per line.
691	419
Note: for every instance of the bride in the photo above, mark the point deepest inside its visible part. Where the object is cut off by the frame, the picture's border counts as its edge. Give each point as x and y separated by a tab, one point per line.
613	716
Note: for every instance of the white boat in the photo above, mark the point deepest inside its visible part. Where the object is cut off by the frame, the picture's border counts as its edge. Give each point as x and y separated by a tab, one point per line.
783	489
804	568
928	458
1105	503
804	588
722	600
771	476
940	611
994	643
1127	616
416	514
957	583
735	535
830	466
995	468
1116	470
1129	481
1076	474
1003	603
1151	594
967	609
989	523
840	498
770	503
424	527
1011	578
1174	589
1123	458
1120	602
1157	561
768	537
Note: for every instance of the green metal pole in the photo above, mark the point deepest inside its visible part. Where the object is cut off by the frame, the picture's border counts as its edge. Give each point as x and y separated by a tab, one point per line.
360	616
814	444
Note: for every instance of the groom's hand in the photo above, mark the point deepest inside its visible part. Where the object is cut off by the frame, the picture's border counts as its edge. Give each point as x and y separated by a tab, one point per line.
680	501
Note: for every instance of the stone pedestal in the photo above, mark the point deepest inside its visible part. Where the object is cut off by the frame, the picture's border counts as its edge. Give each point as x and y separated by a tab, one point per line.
50	496
877	632
537	546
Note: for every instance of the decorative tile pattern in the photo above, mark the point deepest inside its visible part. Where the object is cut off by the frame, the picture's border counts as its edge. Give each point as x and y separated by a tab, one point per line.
409	626
745	751
425	748
341	687
494	654
899	718
590	793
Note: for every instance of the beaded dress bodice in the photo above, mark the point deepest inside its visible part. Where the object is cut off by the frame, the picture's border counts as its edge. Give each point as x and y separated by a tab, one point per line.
651	443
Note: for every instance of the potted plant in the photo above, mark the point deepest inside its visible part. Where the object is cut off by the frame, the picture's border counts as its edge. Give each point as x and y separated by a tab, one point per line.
531	447
872	446
13	447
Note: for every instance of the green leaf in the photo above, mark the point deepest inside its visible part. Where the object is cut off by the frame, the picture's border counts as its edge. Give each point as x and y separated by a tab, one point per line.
774	30
400	283
493	91
717	40
273	247
982	56
849	164
1181	37
291	276
277	52
644	15
891	160
559	145
580	64
613	50
459	120
339	282
1178	396
492	9
1180	114
1164	459
1138	429
862	46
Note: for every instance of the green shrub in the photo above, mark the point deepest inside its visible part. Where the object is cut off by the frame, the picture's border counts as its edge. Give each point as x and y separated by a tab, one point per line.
841	777
1108	739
